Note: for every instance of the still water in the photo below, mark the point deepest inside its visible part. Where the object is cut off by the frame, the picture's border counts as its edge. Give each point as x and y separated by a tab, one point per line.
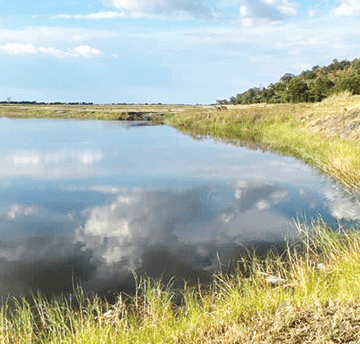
96	201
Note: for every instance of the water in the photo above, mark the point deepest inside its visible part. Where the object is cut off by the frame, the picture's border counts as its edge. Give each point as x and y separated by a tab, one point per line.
96	201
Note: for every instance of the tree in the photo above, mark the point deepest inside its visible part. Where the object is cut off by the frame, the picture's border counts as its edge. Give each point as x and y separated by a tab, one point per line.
355	64
297	90
311	85
308	75
279	92
320	89
350	83
222	101
287	77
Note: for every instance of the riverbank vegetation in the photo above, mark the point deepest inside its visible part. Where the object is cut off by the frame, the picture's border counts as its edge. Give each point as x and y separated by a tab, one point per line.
324	135
308	294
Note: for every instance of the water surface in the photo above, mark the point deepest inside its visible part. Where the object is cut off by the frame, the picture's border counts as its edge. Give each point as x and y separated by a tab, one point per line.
95	201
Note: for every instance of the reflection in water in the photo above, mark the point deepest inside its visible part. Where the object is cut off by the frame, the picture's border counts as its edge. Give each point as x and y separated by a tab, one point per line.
343	205
95	202
185	232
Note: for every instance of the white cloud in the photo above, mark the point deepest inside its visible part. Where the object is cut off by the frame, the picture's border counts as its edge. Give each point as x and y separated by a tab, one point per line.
343	206
30	49
108	189
273	11
54	164
120	232
53	51
18	210
86	51
146	8
94	16
18	49
44	35
347	8
27	159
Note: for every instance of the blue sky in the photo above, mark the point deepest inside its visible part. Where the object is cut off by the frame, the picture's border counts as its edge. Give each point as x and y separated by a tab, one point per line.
169	51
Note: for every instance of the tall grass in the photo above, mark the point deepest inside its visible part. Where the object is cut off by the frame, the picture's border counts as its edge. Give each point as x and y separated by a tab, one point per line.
308	293
325	135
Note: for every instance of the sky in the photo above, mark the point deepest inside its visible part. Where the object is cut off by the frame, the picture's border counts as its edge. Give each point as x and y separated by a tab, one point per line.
166	51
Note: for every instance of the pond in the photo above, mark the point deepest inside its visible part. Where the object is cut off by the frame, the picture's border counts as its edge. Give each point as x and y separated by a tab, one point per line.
96	201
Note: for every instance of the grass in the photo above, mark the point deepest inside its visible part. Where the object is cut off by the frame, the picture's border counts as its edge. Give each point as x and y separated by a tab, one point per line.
324	135
308	294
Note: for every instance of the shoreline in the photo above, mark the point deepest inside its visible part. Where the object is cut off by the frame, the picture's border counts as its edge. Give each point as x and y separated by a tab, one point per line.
308	293
325	135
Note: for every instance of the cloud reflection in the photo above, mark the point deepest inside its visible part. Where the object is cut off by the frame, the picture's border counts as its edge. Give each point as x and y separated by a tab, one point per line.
343	205
169	232
184	232
194	222
35	158
55	164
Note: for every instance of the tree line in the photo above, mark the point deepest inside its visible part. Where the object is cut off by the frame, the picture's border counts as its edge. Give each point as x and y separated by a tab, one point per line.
309	86
34	102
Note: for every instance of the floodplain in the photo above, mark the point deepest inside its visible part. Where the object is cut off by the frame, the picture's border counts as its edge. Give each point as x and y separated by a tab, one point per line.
308	292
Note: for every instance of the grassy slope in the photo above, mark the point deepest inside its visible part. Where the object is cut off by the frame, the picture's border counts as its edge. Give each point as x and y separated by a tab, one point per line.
317	297
325	135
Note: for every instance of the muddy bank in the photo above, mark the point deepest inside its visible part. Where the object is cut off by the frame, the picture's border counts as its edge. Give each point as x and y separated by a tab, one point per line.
155	117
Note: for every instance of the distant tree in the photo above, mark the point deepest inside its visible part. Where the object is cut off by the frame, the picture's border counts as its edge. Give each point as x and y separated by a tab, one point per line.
336	65
311	85
287	77
297	90
279	92
320	89
308	75
350	83
355	64
8	99
267	94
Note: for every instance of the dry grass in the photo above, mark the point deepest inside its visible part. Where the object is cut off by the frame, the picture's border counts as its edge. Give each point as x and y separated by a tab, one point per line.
325	135
105	112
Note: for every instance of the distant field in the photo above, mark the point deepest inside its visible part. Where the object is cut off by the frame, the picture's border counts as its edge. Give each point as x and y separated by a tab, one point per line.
104	112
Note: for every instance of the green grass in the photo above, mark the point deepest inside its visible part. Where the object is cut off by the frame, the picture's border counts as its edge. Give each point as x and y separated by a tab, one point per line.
317	301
